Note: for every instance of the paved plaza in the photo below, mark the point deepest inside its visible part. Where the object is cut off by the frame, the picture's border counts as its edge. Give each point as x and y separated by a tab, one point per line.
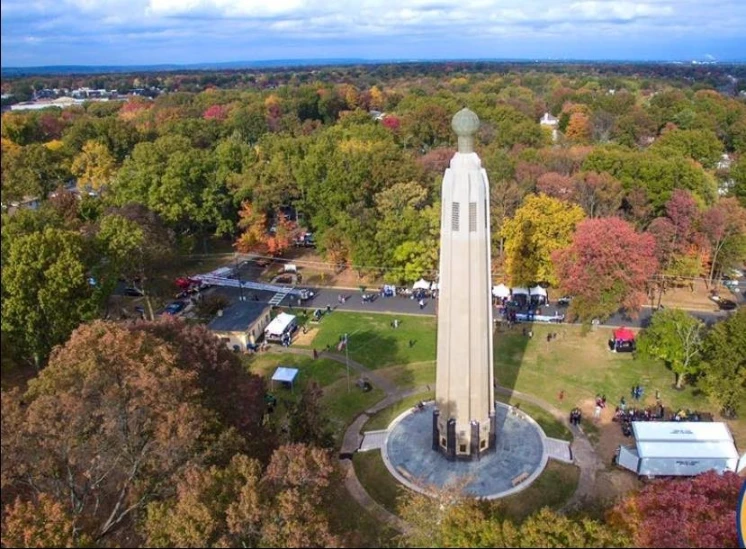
519	454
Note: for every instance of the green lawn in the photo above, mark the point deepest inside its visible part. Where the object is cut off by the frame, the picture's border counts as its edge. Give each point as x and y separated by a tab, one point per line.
577	362
552	426
382	419
553	488
374	343
414	374
372	473
341	406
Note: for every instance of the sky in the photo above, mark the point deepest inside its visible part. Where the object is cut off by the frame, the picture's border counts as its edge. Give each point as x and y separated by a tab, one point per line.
145	32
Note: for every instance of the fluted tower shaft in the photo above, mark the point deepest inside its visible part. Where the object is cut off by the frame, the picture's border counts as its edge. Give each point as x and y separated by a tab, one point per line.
464	425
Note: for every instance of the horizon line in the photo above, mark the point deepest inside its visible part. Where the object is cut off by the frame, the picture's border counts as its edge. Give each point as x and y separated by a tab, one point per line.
330	61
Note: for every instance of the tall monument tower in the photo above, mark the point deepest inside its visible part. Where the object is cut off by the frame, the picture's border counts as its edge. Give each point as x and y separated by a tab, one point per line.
464	419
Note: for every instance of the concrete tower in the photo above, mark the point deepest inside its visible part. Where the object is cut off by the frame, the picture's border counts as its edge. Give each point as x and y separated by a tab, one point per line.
464	419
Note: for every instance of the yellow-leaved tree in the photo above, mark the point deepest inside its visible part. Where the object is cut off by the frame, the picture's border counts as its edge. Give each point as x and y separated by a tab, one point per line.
539	227
94	166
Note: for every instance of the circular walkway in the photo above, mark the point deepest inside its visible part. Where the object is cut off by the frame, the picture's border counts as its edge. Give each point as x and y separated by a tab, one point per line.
517	460
584	455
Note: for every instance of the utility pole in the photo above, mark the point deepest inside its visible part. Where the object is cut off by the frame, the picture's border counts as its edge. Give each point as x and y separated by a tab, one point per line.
347	361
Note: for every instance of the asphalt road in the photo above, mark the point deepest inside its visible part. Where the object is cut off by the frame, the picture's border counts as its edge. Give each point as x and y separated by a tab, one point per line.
403	305
406	305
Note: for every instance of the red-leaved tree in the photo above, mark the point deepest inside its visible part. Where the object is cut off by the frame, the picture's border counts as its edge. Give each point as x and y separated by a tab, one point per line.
692	512
605	267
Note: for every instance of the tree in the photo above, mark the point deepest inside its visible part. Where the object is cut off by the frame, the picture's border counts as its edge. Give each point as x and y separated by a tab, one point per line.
39	523
540	227
599	194
549	529
242	506
555	185
688	512
724	364
308	424
31	171
46	291
284	233
298	482
724	225
105	426
579	128
233	395
94	166
605	268
675	337
254	224
215	507
700	145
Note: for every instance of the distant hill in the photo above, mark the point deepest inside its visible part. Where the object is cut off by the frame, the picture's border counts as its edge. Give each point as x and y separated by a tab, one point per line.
105	69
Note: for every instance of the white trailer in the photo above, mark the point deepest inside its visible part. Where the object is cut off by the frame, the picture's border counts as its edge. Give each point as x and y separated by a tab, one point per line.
676	448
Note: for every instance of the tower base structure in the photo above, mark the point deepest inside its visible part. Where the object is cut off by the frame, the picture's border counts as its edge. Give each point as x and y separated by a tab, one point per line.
479	440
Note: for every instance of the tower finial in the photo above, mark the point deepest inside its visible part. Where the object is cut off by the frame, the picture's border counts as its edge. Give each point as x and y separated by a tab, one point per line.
465	123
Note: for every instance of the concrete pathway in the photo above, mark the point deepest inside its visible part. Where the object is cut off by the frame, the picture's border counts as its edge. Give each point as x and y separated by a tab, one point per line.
373	440
581	449
584	456
558	449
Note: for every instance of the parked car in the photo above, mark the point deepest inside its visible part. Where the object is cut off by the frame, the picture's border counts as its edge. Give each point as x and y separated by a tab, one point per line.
564	301
305	294
133	292
175	307
727	305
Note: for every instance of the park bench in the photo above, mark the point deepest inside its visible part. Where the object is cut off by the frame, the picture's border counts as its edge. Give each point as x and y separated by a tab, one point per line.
520	478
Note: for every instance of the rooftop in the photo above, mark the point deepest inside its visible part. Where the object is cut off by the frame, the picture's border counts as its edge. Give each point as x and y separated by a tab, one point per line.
238	317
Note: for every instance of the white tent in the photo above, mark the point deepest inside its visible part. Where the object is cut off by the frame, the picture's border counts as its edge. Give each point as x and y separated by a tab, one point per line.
538	290
519	291
501	290
435	286
281	324
286	375
681	448
421	284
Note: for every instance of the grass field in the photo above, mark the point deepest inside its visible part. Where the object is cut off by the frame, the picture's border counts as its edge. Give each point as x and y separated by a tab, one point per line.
374	343
552	426
382	419
580	363
577	362
340	405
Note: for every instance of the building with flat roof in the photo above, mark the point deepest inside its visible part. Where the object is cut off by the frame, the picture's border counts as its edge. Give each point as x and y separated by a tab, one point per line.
241	324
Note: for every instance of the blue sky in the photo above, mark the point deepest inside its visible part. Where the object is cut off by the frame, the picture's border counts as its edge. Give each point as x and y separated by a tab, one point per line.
125	32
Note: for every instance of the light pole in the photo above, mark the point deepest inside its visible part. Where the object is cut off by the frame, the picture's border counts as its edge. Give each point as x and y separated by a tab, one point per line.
347	359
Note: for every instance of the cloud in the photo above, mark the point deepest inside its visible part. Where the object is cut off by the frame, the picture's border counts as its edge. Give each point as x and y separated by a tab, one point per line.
150	30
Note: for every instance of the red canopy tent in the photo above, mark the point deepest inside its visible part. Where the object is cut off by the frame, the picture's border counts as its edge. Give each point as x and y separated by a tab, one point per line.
624	334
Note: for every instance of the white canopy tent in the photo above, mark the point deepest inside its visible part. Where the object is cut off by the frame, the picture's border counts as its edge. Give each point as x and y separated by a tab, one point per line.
538	290
501	290
520	291
680	448
435	286
279	325
285	375
421	284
